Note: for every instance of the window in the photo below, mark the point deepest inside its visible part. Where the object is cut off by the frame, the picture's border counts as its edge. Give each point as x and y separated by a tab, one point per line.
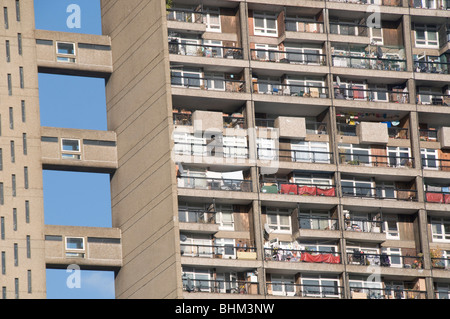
29	281
391	227
28	246
9	84
357	187
372	288
27	211
426	35
17	10
3	263
75	247
398	156
235	146
320	286
226	248
429	158
11	118
8	51
196	245
15	219
13	185
225	217
19	43
266	52
269	85
2	227
21	78
190	78
265	23
16	288
24	140
16	254
279	220
22	104
211	19
376	36
25	174
70	149
283	285
213	48
440	229
215	81
5	17
303	54
266	148
355	154
310	219
198	279
65	52
442	291
312	152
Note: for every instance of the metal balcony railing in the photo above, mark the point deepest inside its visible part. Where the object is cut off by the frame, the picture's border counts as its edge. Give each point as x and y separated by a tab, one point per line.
287	56
292	255
299	25
436	164
215	251
207	83
220	286
384	260
204	150
430	5
202	50
196	216
305	290
387	293
364	225
369	63
435	67
184	15
343	28
289	155
380	193
290	89
393	3
437	197
318	223
371	95
205	183
298	189
433	99
376	160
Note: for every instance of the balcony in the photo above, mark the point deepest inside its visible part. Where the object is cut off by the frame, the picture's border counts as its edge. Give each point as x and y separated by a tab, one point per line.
433	67
390	193
357	92
202	50
241	287
186	19
369	63
287	289
198	150
384	260
393	3
377	160
215	184
387	293
298	189
297	256
430	5
288	56
290	89
198	221
207	83
218	252
429	98
294	156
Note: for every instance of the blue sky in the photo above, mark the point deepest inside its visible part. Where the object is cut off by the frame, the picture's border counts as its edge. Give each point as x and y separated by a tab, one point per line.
74	102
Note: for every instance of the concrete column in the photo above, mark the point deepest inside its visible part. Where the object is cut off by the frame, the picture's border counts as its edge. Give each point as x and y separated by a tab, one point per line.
407	42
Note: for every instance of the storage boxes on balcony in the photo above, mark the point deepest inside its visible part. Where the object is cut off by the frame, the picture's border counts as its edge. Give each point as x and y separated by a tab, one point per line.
372	133
291	127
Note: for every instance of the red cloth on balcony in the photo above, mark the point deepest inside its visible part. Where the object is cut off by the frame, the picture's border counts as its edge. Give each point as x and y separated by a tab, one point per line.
326	192
307	190
321	258
289	189
435	197
447	198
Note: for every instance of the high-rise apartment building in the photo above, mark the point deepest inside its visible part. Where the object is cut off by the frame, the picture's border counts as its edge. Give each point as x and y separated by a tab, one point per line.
257	149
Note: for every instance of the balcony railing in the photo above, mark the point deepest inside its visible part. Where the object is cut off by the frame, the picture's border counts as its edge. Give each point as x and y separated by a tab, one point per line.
376	160
394	3
217	251
202	50
393	132
385	260
206	83
432	67
387	293
431	5
305	290
298	25
298	189
371	95
364	225
380	193
440	263
220	286
342	28
182	119
436	164
204	150
437	197
196	216
313	128
184	15
290	89
289	155
433	99
292	255
292	57
318	223
369	63
205	183
428	135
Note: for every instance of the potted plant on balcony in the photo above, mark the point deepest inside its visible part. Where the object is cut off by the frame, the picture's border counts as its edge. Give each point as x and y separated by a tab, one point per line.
436	255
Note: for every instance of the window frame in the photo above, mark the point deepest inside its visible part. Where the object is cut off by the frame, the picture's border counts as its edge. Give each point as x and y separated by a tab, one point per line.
265	30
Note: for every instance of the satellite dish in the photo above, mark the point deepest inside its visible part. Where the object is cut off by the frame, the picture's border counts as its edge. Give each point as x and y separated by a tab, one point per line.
183	237
338	80
379	52
267	228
